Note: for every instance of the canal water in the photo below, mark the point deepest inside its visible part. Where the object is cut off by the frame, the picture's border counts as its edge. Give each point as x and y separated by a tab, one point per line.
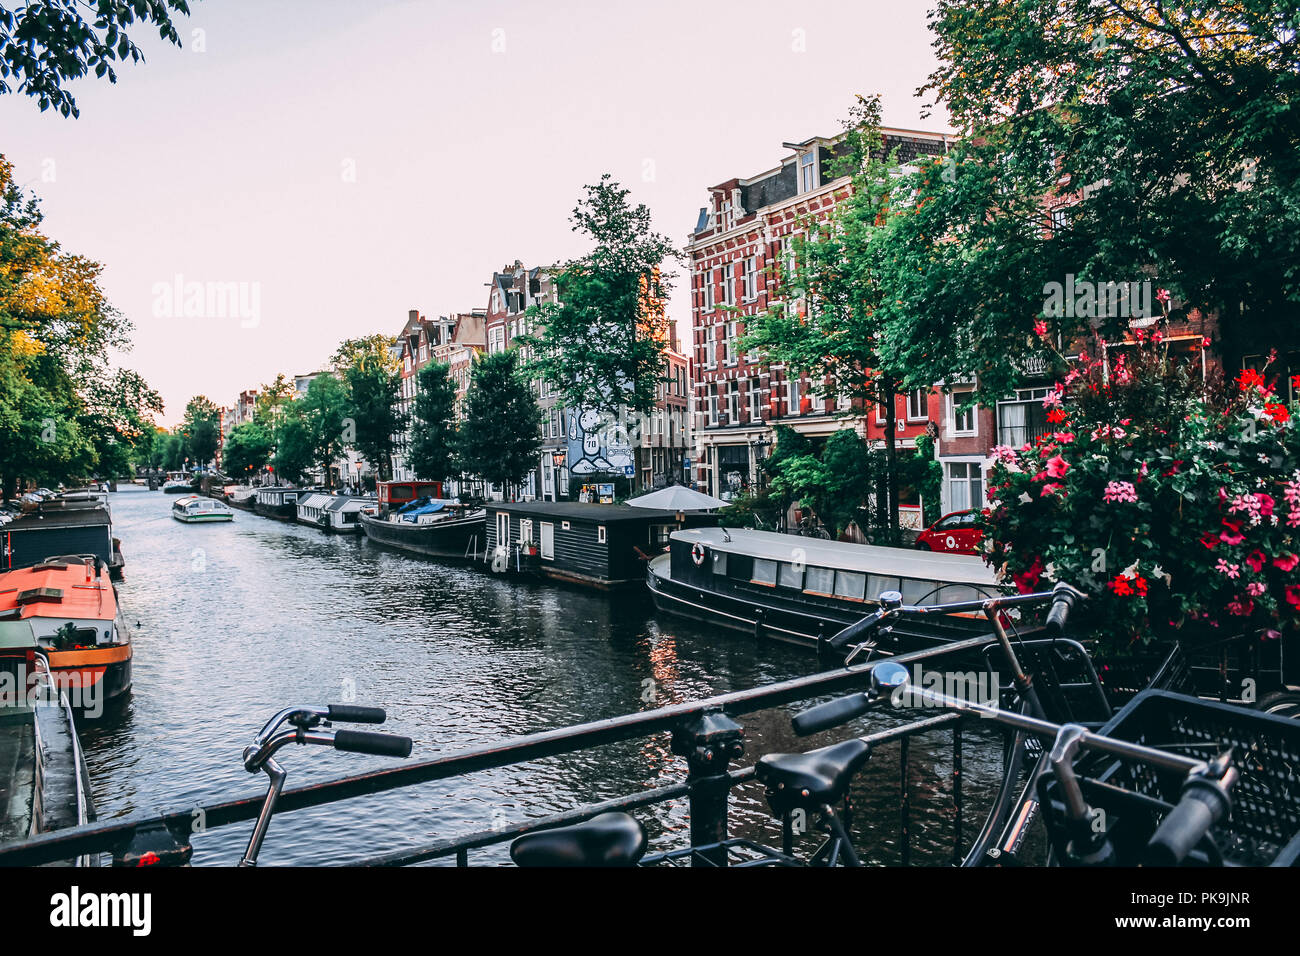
234	621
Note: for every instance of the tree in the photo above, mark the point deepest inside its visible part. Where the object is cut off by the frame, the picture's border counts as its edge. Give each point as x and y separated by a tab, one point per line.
44	45
834	482
1170	133
248	449
201	429
172	451
372	376
601	344
272	398
831	324
324	412
433	431
295	447
500	436
117	415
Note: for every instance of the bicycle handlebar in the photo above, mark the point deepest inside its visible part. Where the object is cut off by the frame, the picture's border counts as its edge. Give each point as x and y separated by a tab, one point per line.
365	742
830	714
1205	801
1063	599
351	713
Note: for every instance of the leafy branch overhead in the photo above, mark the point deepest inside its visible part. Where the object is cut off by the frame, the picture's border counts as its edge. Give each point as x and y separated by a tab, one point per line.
45	44
602	343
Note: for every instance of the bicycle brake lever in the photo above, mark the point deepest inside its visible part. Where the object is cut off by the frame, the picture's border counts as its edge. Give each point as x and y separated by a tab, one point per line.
857	649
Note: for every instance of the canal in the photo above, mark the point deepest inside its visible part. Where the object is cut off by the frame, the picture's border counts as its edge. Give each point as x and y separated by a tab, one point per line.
238	620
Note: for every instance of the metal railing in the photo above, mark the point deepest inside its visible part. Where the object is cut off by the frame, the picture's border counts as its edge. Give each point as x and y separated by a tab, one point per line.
704	732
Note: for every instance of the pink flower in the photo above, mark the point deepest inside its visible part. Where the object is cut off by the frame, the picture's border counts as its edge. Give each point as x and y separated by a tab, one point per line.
1057	467
1120	491
1286	562
1230	570
1040	327
1050	489
1162	296
1255	588
1256	561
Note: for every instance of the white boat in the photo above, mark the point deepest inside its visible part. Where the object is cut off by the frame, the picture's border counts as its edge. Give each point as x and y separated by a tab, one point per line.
177	483
195	509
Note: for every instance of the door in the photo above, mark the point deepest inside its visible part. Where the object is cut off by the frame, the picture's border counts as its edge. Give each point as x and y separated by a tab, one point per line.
548	540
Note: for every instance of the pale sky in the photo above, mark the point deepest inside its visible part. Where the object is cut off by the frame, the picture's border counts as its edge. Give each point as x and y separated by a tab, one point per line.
349	160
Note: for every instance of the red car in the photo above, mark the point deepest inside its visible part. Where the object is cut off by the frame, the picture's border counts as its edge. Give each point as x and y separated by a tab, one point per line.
954	533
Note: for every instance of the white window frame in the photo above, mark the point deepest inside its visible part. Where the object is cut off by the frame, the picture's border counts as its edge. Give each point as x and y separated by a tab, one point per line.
924	394
548	553
957	398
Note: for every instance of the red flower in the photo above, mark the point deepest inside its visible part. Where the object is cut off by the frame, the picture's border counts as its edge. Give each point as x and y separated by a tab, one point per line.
1121	586
1026	580
1256	561
1286	562
1293	595
1210	540
1248	378
1277	412
1235	537
1055	416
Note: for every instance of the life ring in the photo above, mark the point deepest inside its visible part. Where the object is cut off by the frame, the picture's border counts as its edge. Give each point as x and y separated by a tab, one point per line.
697	553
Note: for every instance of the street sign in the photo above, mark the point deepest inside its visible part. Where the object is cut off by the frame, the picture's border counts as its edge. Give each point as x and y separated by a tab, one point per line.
629	470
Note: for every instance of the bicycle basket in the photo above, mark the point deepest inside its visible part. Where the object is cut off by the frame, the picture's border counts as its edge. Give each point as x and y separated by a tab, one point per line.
1263	826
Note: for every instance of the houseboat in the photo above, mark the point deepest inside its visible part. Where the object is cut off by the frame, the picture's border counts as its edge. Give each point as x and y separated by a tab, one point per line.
413	516
277	501
194	509
71	608
601	546
343	513
311	508
241	497
178	483
804	589
68	524
44	784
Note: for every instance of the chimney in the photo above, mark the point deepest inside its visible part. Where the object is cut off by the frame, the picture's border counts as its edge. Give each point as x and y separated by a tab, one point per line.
413	315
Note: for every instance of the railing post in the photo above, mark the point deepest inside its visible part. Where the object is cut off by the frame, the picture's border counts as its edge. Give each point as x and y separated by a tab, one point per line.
709	741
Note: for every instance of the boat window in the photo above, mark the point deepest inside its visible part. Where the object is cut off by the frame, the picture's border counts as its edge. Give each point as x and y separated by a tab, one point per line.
820	581
600	534
850	584
764	572
791	576
955	593
914	592
877	583
719	562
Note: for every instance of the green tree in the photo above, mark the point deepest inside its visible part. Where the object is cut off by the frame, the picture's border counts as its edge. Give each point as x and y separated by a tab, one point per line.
834	481
172	451
1168	132
601	344
295	446
201	429
117	412
500	435
324	410
372	376
44	45
433	438
248	449
830	324
272	398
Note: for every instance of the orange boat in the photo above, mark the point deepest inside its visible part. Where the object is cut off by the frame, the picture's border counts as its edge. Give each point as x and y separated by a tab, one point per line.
71	607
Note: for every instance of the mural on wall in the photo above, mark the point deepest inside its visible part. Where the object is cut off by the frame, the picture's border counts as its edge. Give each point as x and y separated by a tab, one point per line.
595	447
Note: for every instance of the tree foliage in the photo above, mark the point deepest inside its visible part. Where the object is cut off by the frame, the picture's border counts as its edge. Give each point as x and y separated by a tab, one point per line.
46	44
601	343
372	377
247	450
433	431
500	435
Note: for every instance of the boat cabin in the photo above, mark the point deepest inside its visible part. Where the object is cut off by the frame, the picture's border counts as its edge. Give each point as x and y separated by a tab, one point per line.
593	544
58	527
342	513
311	507
395	494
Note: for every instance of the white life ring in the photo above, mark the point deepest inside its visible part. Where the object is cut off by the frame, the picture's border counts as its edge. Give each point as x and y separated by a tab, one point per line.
697	553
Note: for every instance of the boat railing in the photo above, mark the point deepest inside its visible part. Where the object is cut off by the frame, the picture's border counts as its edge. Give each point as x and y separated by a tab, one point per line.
707	733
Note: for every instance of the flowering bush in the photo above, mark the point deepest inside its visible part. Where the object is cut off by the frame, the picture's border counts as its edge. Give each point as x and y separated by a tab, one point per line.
1174	502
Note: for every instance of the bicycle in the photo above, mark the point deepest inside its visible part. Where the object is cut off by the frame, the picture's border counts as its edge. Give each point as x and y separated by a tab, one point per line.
305	723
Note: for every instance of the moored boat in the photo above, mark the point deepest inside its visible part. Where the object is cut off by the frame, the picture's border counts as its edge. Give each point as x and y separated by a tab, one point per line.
72	609
423	523
178	483
194	509
277	501
804	589
74	523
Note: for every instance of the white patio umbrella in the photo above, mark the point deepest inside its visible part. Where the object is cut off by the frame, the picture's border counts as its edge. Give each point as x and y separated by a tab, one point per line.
677	498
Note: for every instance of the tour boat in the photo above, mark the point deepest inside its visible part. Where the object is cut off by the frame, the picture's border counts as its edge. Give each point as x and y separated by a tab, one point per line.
76	623
194	509
177	483
802	589
426	523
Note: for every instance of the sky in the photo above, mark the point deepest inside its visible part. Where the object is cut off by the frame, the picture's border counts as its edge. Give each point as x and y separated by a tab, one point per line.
327	165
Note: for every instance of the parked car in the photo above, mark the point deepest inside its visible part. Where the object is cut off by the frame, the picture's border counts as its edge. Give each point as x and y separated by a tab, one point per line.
954	533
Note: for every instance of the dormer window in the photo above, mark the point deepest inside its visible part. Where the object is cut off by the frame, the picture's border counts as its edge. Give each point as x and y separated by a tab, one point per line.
808	171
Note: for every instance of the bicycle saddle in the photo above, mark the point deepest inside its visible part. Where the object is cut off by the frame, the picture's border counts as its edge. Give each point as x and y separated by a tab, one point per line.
610	839
812	779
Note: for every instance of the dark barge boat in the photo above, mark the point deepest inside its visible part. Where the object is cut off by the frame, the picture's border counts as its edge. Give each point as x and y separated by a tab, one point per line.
413	516
277	501
601	546
801	590
74	523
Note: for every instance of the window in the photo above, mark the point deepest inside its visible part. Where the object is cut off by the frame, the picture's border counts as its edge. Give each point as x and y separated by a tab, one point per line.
751	278
713	404
808	171
753	393
792	391
728	284
918	405
710	348
708	290
1022	421
790	576
764	572
525	530
850	584
601	536
498	341
820	581
548	541
733	403
965	485
962	421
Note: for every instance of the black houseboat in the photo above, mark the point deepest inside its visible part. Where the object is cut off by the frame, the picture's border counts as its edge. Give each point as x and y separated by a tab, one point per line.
596	545
74	523
413	516
801	589
277	501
